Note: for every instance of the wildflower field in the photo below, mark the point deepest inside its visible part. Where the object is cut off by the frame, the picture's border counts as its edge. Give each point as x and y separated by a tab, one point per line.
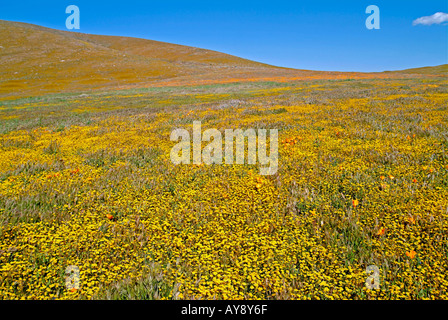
86	180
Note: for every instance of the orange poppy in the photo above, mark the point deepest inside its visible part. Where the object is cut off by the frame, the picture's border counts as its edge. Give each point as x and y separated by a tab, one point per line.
381	231
355	203
109	216
411	254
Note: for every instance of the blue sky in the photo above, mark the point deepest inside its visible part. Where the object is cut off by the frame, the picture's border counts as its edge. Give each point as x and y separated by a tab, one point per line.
315	35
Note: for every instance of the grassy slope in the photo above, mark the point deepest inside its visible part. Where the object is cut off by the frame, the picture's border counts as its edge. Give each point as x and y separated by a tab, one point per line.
36	61
435	70
295	235
66	162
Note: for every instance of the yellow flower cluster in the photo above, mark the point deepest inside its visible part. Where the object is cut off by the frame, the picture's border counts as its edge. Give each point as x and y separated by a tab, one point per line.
362	180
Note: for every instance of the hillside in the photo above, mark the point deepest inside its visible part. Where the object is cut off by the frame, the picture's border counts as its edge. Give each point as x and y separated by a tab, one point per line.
99	198
435	70
35	60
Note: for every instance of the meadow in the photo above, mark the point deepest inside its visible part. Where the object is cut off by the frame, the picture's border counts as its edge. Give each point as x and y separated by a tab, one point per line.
86	180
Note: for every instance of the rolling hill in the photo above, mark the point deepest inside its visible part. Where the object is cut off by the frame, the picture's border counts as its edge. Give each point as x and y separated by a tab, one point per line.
35	60
435	70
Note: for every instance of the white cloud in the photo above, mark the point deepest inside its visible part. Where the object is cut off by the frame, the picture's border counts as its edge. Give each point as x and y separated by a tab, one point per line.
436	18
